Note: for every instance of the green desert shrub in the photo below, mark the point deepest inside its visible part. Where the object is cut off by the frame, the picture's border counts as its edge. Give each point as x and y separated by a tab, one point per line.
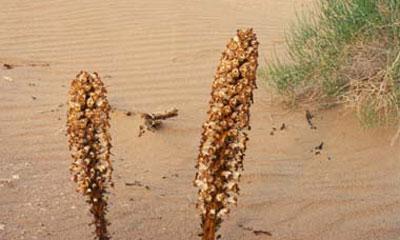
344	51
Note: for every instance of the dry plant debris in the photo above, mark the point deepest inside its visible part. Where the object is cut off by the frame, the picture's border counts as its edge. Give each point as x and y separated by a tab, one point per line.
153	121
309	118
149	121
8	66
89	142
256	232
223	141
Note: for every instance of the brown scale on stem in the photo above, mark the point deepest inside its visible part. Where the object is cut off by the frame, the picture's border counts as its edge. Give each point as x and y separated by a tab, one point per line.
224	137
89	142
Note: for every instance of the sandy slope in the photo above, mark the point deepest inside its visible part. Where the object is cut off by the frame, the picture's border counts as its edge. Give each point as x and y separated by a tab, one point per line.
158	54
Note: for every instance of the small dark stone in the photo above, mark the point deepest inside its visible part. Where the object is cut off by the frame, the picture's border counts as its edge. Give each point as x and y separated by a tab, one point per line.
319	147
7	66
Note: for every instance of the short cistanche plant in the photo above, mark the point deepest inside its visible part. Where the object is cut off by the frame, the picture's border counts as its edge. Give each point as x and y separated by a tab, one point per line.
224	137
89	141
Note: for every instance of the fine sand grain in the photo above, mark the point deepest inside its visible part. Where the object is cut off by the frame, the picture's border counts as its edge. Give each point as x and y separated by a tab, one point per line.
154	55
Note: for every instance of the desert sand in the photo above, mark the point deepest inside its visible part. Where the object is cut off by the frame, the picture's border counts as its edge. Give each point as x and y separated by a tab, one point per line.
154	55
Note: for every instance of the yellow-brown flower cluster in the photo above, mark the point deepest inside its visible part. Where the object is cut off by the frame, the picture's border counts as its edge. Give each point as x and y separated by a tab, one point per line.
224	137
89	141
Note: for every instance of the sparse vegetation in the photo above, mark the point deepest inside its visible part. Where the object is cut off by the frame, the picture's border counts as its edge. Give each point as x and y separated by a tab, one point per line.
89	142
346	52
224	137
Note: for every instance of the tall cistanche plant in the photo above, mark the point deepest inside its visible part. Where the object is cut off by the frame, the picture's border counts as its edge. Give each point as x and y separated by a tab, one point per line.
89	141
224	137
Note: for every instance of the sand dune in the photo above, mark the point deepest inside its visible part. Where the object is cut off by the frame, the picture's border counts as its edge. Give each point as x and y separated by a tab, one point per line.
159	54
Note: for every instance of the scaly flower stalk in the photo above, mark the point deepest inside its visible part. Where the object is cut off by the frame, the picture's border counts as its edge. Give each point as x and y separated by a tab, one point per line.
224	137
89	141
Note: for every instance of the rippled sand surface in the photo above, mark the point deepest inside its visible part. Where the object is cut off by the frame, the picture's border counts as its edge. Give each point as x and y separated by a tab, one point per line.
154	55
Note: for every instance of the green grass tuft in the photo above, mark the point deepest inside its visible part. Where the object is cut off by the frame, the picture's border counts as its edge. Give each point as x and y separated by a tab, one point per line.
347	51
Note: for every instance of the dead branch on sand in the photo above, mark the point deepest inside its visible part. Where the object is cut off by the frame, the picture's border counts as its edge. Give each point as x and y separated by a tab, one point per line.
153	121
149	121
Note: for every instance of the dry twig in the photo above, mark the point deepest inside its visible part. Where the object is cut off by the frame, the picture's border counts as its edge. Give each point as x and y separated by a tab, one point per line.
153	121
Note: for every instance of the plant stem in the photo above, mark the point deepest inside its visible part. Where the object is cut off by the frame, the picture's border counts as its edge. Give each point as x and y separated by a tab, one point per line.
209	228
